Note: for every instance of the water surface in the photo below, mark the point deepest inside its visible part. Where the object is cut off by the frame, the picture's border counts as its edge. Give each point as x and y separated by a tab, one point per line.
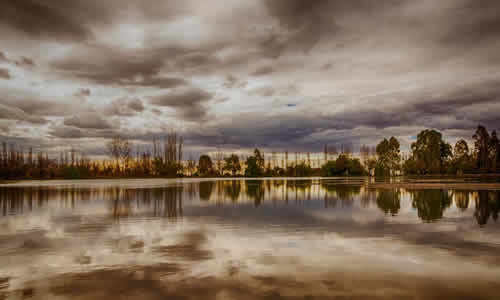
247	239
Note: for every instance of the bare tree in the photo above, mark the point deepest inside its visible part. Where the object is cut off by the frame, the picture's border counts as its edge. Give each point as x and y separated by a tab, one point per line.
119	149
219	161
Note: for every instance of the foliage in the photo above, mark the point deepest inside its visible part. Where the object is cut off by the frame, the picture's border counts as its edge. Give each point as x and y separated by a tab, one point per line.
462	161
232	164
389	201
429	154
302	170
205	166
389	158
255	165
343	166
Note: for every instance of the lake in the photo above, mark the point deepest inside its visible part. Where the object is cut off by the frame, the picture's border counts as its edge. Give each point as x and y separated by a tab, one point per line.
249	239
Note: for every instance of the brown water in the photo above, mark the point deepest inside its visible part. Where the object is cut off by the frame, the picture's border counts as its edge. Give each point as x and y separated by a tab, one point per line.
237	239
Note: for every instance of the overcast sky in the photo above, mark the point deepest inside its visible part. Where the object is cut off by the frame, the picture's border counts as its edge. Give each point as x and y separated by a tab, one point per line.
235	74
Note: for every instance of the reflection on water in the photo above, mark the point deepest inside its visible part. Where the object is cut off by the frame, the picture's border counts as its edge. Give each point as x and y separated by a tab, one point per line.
243	239
429	204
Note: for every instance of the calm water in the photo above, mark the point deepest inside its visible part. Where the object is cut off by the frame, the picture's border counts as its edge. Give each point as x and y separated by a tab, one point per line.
237	239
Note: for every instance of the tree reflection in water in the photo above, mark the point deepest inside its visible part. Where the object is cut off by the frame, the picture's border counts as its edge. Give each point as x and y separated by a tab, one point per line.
430	204
389	201
462	199
487	205
206	188
122	202
232	189
255	191
335	193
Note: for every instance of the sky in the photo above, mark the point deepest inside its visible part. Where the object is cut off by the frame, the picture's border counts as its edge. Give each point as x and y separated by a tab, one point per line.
229	74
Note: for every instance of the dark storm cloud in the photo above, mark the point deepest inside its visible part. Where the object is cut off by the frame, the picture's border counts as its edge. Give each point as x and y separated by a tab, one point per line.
473	23
89	120
303	24
39	19
71	20
5	74
109	66
189	102
292	131
353	69
459	109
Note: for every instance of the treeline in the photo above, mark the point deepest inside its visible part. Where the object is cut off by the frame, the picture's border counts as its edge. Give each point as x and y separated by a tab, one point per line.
430	155
162	159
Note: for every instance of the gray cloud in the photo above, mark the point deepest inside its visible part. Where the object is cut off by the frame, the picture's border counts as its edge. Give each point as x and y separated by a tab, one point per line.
25	62
109	66
88	120
83	92
124	107
14	113
190	102
5	74
70	132
136	105
266	70
75	20
349	71
38	107
265	91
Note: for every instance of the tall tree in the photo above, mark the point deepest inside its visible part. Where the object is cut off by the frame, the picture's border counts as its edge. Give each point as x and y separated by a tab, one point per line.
118	148
232	164
429	153
494	152
481	148
461	161
389	157
255	165
205	166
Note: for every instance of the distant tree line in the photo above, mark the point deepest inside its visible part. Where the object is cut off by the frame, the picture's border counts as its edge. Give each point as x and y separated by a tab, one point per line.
429	155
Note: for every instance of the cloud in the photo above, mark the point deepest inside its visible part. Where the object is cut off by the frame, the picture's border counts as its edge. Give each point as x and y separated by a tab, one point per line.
38	19
88	120
233	82
265	91
266	70
5	126
110	66
28	103
25	62
136	105
5	74
189	102
70	132
83	92
68	20
14	113
124	107
275	73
